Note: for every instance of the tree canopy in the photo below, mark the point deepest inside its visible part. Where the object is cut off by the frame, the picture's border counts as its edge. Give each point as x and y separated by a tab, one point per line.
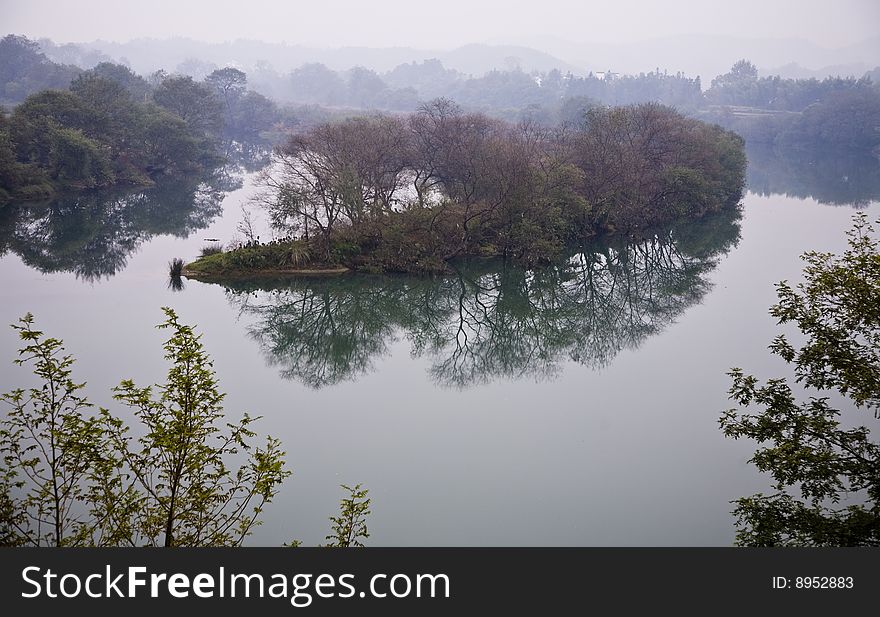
409	193
74	478
824	462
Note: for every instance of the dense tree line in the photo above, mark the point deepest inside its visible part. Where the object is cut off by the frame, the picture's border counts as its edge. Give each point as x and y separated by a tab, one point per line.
404	193
112	126
94	134
499	93
839	113
834	112
24	70
741	86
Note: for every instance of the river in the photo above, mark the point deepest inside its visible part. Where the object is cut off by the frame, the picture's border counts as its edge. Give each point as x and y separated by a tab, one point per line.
574	405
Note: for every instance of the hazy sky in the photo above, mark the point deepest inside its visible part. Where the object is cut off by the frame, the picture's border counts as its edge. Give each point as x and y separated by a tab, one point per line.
439	23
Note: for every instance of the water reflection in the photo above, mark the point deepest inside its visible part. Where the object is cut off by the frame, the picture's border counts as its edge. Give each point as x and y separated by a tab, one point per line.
488	320
241	159
828	176
93	233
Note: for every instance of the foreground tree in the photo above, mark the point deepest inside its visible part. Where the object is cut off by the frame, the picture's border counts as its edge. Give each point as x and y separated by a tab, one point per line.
809	447
350	527
47	444
185	494
69	478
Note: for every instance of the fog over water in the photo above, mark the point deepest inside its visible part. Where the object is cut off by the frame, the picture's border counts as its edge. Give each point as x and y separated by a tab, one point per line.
702	38
397	22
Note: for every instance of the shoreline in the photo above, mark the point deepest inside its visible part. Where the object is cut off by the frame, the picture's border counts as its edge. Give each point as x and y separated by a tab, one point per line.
243	273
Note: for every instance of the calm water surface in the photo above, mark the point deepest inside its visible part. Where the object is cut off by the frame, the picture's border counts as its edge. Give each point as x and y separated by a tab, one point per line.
575	405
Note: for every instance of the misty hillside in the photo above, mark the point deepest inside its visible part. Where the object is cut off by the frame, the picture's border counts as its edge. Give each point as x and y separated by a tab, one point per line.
148	55
787	57
707	56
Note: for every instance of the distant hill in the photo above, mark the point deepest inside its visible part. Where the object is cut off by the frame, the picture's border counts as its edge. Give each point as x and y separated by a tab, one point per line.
694	55
708	55
796	71
147	55
479	59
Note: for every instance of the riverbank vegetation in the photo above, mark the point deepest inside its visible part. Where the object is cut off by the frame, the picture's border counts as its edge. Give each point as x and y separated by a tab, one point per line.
71	475
821	453
409	193
804	114
95	135
112	127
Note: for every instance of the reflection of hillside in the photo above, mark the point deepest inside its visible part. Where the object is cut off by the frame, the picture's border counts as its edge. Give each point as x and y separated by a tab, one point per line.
828	176
92	234
489	320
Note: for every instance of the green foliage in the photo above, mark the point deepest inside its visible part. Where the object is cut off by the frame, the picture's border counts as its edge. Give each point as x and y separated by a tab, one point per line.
97	134
837	309
842	119
211	249
108	99
742	87
32	123
113	127
47	445
276	255
407	194
169	146
18	180
299	254
185	493
808	114
193	102
76	160
349	529
249	115
74	479
71	479
136	86
809	446
646	165
510	94
24	70
227	82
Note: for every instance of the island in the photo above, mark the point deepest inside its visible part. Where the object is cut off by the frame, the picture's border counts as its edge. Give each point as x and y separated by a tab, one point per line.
408	193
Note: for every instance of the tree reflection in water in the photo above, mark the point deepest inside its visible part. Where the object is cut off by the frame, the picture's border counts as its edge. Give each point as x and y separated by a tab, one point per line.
93	233
489	320
828	176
